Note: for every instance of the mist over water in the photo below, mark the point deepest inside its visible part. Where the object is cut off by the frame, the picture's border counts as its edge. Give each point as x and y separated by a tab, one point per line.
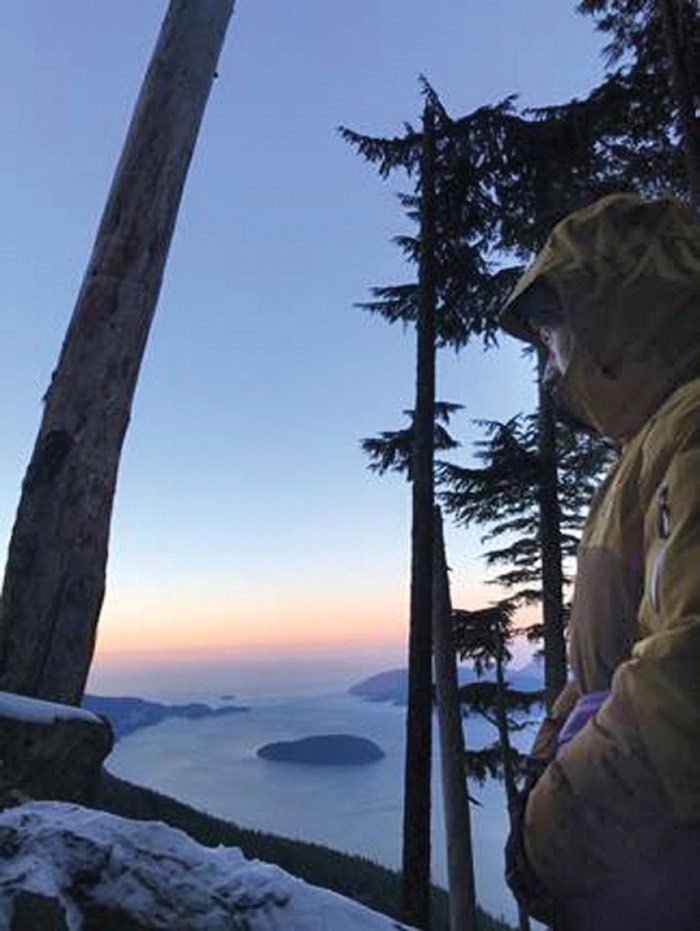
250	674
212	763
180	676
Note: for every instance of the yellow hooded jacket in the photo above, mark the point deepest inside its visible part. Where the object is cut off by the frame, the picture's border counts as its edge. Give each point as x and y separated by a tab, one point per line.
627	276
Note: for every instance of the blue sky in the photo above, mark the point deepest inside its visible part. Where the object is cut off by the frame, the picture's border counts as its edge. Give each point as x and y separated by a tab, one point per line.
245	517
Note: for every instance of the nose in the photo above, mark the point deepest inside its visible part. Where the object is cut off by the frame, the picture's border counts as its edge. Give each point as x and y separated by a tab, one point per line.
551	371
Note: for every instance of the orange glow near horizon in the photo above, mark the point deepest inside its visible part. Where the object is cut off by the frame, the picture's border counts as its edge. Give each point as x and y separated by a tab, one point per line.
147	625
142	622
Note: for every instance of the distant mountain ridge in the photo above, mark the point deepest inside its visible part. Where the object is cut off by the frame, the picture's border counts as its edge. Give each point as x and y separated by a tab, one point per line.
391	685
127	714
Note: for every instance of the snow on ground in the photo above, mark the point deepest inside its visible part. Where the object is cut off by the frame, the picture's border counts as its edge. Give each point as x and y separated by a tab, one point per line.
158	876
37	711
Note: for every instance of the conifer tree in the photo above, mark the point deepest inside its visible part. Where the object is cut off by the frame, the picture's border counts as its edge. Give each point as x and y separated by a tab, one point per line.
654	54
502	495
392	451
419	726
550	540
452	301
485	637
503	179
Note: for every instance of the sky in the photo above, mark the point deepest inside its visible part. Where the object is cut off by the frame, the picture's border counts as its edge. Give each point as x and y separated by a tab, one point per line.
245	521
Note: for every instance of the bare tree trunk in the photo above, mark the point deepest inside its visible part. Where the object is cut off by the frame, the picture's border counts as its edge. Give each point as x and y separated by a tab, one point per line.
416	813
55	575
555	668
672	19
508	771
460	857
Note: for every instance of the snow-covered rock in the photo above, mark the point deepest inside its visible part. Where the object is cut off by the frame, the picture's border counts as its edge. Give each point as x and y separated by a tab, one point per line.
38	711
106	871
50	751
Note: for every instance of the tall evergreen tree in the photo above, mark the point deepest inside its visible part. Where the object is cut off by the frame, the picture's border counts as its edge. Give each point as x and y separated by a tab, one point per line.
392	451
503	180
417	772
452	300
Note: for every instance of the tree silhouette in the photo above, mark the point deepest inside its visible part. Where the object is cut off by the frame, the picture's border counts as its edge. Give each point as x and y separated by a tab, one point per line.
485	638
454	299
392	450
653	52
501	494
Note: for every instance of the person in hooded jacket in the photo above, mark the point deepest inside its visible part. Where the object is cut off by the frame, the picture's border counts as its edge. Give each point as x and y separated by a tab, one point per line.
610	831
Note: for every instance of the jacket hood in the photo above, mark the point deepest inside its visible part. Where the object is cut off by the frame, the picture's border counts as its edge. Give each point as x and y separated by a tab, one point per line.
626	273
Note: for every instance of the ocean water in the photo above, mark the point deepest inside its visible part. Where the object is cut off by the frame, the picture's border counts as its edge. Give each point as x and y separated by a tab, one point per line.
212	764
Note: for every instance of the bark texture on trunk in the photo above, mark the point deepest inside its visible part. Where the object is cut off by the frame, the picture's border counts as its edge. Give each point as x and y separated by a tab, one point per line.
460	856
55	574
555	667
509	777
416	814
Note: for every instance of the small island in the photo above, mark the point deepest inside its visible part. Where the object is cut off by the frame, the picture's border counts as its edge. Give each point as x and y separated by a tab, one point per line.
324	750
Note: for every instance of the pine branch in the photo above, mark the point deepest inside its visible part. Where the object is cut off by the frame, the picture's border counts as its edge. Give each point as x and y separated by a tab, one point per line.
388	154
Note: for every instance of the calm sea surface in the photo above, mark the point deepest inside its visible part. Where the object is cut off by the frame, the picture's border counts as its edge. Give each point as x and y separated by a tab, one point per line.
212	764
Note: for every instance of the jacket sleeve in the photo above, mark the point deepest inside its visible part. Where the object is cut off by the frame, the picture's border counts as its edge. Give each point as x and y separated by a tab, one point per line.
663	679
626	782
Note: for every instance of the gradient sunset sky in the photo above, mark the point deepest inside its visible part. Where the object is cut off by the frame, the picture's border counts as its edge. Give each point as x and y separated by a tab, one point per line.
245	518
